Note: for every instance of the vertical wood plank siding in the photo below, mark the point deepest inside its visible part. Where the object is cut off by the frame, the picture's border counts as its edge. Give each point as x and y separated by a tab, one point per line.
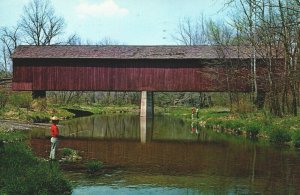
131	75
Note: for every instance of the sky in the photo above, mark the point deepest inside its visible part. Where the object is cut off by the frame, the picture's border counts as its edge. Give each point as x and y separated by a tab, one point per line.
130	22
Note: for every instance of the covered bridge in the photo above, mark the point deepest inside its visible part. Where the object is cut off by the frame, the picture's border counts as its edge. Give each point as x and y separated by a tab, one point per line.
134	68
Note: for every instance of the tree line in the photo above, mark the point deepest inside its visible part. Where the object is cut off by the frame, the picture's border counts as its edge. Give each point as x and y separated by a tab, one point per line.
269	27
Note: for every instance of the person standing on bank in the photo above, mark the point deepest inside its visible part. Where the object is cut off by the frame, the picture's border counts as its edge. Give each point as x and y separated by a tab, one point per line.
54	132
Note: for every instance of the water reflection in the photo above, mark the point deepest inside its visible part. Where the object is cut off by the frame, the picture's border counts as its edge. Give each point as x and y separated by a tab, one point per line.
123	127
167	153
104	127
146	127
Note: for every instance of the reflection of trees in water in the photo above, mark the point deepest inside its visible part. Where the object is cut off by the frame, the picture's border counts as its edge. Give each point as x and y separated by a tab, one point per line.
121	127
126	126
168	128
115	126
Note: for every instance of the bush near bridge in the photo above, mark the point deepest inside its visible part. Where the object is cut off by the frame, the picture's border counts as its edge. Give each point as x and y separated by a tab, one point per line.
21	106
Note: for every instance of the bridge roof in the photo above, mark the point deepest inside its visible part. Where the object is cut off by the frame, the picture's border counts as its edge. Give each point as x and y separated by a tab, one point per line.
133	52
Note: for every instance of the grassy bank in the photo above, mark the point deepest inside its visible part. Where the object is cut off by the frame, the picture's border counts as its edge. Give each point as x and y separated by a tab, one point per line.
21	106
254	124
23	173
261	124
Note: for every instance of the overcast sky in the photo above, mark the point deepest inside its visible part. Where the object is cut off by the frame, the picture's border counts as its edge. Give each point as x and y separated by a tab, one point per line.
132	22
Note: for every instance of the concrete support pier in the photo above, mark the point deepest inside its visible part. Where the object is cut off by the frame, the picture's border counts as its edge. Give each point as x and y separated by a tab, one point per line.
147	109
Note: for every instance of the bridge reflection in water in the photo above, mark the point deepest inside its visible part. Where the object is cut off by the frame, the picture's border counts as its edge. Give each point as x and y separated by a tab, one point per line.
168	146
129	141
123	127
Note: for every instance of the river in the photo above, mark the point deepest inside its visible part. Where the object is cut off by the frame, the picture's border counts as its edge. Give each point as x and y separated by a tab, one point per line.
167	155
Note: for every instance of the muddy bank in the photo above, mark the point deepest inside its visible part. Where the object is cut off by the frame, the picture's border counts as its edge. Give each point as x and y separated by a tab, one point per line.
11	125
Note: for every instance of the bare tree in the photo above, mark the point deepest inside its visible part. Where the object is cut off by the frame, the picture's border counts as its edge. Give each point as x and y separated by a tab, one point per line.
289	32
202	32
255	27
39	24
222	36
245	25
74	39
219	33
108	41
272	26
9	40
191	32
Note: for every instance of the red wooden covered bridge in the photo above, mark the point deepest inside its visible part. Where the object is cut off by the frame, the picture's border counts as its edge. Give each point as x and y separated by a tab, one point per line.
135	68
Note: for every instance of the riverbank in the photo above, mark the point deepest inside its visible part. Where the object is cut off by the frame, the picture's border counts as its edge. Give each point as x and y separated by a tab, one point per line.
218	119
255	125
21	172
38	115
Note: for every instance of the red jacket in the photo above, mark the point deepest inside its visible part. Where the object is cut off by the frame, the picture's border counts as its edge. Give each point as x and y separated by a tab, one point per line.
54	131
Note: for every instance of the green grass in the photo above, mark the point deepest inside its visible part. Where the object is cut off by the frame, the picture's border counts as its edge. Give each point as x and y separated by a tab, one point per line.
67	151
285	130
22	173
279	135
296	138
252	128
10	136
38	117
93	166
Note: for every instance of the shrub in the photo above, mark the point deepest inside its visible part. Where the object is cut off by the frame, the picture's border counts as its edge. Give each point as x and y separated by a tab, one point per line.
93	166
38	117
243	106
268	118
233	126
70	155
296	138
210	123
67	152
279	135
39	104
236	124
227	124
3	98
21	100
252	129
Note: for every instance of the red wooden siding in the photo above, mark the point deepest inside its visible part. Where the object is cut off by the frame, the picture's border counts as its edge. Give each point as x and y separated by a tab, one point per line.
131	75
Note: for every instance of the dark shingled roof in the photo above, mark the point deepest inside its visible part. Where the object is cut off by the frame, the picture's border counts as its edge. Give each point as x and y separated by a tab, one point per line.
132	52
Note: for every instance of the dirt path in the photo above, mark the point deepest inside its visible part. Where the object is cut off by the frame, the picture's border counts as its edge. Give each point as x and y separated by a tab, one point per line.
11	125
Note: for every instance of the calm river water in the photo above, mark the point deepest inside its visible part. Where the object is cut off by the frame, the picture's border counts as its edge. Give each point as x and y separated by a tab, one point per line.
169	156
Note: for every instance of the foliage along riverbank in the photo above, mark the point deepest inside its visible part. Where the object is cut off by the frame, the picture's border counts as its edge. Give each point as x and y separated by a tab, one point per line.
23	173
255	125
21	107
